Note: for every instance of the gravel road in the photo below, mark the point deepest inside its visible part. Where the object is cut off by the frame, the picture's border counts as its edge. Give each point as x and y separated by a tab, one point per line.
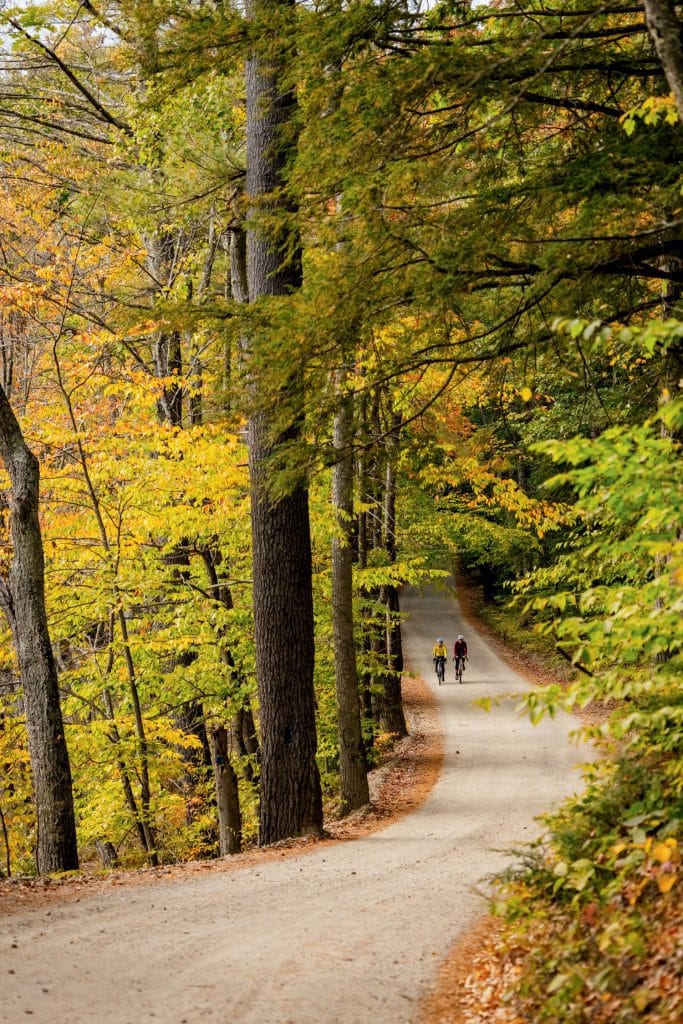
348	933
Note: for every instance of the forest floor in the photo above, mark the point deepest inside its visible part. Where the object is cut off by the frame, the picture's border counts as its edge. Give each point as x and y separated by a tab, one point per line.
330	930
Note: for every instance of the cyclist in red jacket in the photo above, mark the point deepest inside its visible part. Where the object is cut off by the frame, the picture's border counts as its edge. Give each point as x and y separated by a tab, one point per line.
459	651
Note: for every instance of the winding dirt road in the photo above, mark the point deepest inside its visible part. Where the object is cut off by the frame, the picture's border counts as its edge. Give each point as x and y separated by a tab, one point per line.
348	933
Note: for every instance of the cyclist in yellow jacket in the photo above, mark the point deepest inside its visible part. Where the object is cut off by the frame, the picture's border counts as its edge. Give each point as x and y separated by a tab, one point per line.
440	654
440	649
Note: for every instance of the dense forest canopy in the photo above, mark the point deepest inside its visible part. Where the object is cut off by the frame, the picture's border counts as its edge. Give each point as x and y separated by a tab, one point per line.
300	303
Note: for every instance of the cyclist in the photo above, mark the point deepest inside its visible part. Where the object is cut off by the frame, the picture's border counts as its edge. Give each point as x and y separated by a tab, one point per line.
459	652
440	654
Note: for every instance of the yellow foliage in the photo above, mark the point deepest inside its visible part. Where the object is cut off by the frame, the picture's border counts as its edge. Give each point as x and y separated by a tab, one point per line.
666	881
665	850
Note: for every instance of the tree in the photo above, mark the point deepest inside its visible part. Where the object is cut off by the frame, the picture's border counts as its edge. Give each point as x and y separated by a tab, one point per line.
665	28
490	182
291	800
353	778
22	597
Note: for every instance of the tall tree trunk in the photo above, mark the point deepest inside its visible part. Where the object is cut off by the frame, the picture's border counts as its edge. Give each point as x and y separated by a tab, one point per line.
352	762
665	28
227	793
235	244
362	550
392	718
5	838
291	799
385	646
23	600
246	742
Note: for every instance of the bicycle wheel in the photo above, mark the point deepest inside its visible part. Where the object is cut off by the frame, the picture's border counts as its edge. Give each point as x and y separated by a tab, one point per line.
440	673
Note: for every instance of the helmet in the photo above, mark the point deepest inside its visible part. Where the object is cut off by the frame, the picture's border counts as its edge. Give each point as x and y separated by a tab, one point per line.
440	640
461	637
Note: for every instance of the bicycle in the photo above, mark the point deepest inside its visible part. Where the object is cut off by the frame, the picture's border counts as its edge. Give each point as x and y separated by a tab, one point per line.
440	666
459	668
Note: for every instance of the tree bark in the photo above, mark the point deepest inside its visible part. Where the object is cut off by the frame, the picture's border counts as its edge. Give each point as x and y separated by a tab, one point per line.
8	855
362	550
227	793
392	718
106	851
243	732
665	28
353	771
23	600
291	800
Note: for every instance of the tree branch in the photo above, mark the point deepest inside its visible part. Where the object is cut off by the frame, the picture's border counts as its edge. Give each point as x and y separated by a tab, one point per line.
567	104
105	115
53	126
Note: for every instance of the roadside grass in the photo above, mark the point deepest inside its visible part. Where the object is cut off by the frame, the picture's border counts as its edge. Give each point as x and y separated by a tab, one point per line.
516	631
513	635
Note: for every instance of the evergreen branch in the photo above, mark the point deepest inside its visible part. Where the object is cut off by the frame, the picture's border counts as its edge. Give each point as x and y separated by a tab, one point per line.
613	34
641	68
622	315
563	239
547	12
580	105
633	268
